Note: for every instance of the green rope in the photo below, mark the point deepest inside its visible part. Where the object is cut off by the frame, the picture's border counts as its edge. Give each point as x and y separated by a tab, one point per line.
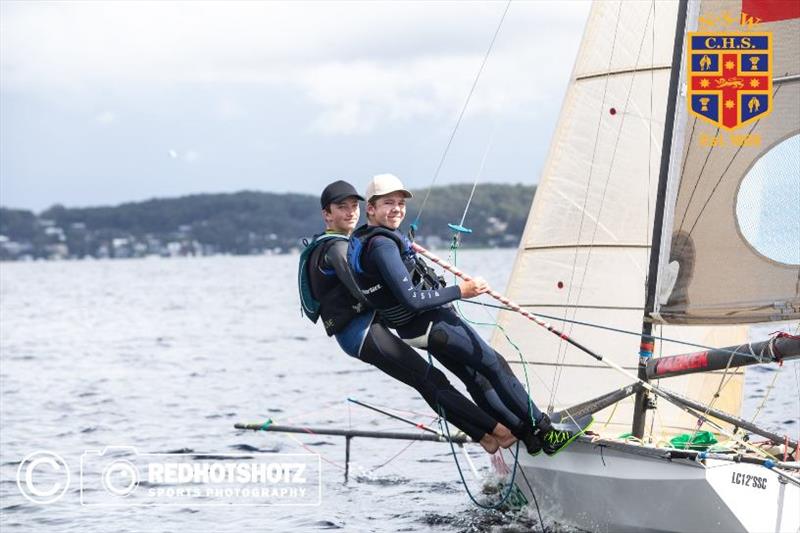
443	419
504	499
265	425
454	252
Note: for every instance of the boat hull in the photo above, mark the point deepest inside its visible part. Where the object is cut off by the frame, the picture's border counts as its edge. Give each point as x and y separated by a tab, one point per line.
622	488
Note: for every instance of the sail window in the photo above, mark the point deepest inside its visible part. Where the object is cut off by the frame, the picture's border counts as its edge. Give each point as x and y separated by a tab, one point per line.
768	203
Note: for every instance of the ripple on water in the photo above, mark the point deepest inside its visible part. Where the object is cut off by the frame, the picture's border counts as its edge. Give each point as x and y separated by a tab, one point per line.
368	478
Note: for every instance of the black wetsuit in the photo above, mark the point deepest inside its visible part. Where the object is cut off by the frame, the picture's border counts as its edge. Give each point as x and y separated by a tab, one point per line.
384	267
370	341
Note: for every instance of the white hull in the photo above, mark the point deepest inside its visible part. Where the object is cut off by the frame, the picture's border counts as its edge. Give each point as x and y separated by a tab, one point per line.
618	489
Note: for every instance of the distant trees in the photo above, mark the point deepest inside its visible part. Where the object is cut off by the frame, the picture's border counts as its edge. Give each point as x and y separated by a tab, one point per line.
250	222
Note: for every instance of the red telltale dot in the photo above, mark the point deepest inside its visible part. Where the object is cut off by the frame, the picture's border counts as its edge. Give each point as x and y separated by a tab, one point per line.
613	110
560	284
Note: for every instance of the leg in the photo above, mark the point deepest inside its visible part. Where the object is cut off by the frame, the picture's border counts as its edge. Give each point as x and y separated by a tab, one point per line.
451	337
397	359
483	394
452	334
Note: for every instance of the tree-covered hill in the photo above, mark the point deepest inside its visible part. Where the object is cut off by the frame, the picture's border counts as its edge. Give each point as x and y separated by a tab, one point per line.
243	223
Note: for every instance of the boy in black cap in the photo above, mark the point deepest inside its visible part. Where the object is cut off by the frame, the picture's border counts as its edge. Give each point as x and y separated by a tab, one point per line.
328	290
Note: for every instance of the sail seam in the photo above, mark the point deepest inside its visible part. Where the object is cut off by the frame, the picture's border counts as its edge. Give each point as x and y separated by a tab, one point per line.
580	245
622	72
583	306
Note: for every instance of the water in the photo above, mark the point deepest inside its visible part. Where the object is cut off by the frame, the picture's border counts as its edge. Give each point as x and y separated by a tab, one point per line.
165	355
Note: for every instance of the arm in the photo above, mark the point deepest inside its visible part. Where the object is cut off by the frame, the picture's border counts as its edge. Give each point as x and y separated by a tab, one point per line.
385	255
336	257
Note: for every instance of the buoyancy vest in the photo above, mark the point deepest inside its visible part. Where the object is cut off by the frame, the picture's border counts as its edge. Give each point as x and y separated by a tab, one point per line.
369	281
322	294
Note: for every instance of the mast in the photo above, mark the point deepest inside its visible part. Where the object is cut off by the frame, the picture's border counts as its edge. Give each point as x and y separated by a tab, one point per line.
642	399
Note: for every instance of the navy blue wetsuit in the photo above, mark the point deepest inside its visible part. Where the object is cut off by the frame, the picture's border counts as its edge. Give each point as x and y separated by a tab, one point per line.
422	318
370	340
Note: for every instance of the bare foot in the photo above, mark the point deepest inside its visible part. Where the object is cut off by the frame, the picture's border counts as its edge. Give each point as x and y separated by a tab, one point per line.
504	436
489	443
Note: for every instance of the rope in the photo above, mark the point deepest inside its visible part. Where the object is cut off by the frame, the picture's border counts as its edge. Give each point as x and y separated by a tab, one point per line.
618	330
395	456
443	421
771	386
415	224
461	473
766	396
269	422
494	324
715	397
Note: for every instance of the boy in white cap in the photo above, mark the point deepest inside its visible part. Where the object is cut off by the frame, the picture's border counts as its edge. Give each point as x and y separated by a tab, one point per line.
410	299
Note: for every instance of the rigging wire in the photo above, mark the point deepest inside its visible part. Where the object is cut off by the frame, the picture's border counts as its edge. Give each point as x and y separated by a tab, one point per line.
716	185
478	177
767	393
722	384
415	224
619	330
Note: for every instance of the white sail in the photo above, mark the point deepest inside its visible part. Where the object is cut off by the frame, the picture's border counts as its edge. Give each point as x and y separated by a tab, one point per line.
731	246
585	250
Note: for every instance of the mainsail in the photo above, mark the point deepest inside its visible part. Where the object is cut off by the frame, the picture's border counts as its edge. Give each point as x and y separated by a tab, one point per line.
584	254
730	251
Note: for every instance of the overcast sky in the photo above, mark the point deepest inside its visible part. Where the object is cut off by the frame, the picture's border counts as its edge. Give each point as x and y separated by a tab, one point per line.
106	102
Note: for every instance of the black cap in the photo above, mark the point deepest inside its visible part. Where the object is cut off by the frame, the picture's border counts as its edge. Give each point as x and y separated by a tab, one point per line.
337	191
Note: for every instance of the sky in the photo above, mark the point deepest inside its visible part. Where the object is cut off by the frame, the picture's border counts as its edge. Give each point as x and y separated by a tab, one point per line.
108	102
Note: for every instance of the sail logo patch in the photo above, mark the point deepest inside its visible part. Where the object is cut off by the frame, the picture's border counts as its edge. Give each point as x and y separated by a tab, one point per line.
729	77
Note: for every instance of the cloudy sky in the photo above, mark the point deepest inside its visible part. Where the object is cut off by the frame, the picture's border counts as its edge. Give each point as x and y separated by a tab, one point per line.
106	102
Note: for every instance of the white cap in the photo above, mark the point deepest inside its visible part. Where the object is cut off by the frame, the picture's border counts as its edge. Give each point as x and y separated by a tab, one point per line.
385	184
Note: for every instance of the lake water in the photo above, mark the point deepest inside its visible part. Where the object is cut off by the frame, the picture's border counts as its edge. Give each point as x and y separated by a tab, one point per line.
166	355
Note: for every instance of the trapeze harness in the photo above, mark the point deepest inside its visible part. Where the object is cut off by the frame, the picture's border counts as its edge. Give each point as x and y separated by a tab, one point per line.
324	295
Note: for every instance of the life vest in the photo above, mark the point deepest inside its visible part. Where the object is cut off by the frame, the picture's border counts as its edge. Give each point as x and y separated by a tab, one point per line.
377	293
322	294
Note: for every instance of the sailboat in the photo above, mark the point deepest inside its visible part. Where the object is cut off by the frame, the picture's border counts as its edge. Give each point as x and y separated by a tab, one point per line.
650	218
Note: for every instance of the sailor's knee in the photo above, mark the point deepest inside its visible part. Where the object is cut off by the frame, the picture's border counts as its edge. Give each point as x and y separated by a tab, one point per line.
438	338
